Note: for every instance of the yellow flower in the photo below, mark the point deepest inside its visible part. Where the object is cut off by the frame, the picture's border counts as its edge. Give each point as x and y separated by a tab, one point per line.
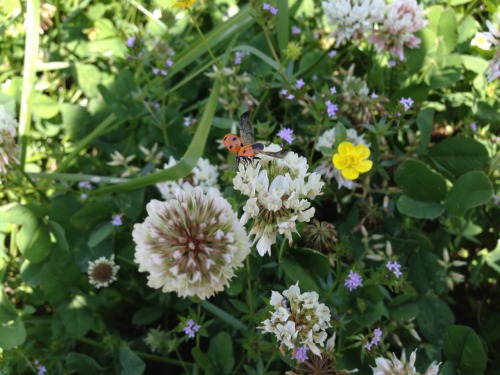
183	4
351	160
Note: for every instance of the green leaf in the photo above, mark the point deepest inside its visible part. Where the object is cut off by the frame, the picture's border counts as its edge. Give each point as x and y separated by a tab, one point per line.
463	347
88	77
447	29
91	214
224	316
44	106
131	364
404	312
83	364
203	361
470	190
7	310
419	209
312	261
58	276
475	64
283	24
146	316
459	155
100	234
75	120
419	182
221	352
295	271
59	233
256	52
445	71
434	318
12	334
76	316
425	123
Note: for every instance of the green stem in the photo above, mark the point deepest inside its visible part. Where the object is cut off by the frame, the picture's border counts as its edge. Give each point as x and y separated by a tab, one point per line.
77	177
30	57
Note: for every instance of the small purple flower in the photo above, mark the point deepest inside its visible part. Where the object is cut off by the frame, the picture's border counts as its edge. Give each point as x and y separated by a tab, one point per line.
270	8
156	105
316	35
314	77
395	268
266	6
85	185
374	95
332	53
377	334
157	71
496	199
392	63
117	220
83	196
130	41
290	96
169	63
300	83
188	121
237	57
286	134
296	30
333	90
41	369
407	103
284	92
273	10
190	329
473	126
301	354
331	108
353	281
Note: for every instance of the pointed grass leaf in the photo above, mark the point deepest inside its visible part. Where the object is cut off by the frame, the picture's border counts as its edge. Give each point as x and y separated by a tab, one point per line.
224	316
459	155
100	234
419	182
470	190
297	273
419	209
425	123
464	348
283	24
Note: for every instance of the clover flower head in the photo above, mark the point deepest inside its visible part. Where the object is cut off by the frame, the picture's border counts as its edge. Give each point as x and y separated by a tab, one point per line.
353	19
353	281
303	324
395	366
326	168
494	67
352	160
102	271
191	244
404	17
286	134
8	148
278	192
204	175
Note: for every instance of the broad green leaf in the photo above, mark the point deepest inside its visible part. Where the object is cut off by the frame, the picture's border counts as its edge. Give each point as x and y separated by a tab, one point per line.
447	29
419	182
100	234
459	155
59	234
146	316
464	348
91	214
475	64
12	334
434	318
59	275
76	316
44	106
203	361
221	352
404	312
466	31
7	310
470	190
130	362
445	71
83	363
312	260
425	123
75	120
419	209
89	77
297	273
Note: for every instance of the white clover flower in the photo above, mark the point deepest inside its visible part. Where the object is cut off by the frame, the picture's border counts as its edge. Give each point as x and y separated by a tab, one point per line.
8	148
299	320
480	40
204	175
326	168
279	191
102	271
404	17
395	366
191	244
353	18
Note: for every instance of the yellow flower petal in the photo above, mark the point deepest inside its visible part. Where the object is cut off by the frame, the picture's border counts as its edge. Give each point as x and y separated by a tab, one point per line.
350	173
183	4
362	151
346	148
339	161
364	166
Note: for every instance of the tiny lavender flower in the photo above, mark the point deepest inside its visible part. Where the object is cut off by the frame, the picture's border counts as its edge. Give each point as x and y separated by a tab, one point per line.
102	271
395	268
237	57
301	354
40	368
473	126
191	244
333	90
296	30
332	53
331	108
270	8
85	185
304	324
190	329
117	220
407	103
377	334
130	41
286	134
300	83
169	63
290	96
353	281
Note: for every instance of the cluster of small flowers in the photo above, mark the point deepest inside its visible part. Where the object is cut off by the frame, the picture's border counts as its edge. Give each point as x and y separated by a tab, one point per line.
204	175
395	366
102	271
407	103
270	8
238	56
389	27
304	322
8	148
188	121
117	220
353	281
40	368
169	63
191	328
326	168
85	186
377	334
394	268
191	244
287	95
278	192
286	134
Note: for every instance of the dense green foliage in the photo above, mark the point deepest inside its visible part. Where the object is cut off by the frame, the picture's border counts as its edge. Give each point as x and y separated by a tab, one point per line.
97	106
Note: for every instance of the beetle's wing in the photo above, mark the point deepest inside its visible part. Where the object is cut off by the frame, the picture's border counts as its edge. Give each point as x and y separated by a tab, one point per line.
246	129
